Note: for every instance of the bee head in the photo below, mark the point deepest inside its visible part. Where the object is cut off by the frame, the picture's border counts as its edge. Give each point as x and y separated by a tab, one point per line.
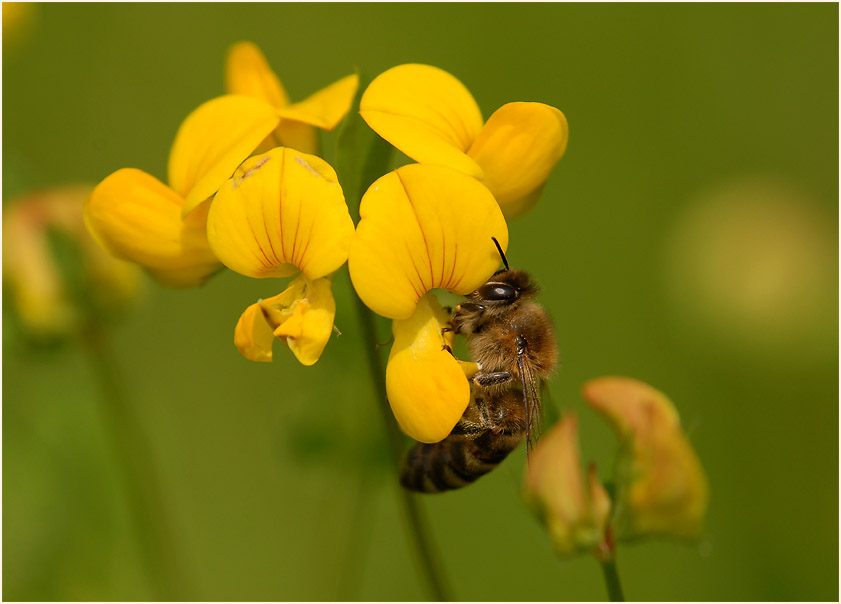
505	287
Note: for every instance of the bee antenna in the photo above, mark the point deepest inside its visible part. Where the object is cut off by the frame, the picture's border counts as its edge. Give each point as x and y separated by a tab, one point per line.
501	253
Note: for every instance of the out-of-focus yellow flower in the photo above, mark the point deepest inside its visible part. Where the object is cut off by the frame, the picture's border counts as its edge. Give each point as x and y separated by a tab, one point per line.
247	72
281	214
574	508
18	20
424	227
163	228
661	486
430	116
41	293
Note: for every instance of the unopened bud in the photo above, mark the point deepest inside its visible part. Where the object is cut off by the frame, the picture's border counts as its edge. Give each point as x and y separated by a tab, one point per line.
574	507
661	488
49	298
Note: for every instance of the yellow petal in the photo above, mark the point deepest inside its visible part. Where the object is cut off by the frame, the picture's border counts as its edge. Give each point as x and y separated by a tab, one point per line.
426	113
136	217
253	335
661	484
517	150
426	387
325	108
423	226
248	73
296	135
281	212
308	321
213	141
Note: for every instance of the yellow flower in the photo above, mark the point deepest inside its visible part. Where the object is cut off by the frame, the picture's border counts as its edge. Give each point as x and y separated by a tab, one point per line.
574	509
661	486
281	214
136	217
430	116
247	72
41	293
424	227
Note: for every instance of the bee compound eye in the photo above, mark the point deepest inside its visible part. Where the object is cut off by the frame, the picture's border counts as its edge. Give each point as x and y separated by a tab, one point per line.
501	292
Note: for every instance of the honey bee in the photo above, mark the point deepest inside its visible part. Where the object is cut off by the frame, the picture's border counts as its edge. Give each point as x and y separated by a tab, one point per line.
513	341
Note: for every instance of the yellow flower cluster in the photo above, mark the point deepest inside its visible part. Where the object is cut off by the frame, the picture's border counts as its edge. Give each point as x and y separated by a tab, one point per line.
247	191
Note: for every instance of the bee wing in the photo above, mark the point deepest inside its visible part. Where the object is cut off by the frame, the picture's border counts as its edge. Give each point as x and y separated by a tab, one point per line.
531	399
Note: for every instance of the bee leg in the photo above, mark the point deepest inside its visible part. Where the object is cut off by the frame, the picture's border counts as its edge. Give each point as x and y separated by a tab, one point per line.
486	417
491	379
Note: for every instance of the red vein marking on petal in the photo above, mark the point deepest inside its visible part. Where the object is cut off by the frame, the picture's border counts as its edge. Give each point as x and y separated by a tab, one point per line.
297	227
443	254
423	234
268	236
303	261
417	272
264	261
250	172
453	272
281	193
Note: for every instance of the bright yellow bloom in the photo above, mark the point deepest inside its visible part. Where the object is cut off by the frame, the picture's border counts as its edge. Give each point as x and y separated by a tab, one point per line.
247	72
281	214
424	227
136	217
430	116
661	486
575	509
41	294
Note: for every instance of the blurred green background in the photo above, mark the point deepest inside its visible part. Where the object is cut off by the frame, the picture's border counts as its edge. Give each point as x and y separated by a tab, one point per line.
688	238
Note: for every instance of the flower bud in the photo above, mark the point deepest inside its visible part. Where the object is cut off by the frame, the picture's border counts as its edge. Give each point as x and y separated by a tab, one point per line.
55	289
661	488
573	507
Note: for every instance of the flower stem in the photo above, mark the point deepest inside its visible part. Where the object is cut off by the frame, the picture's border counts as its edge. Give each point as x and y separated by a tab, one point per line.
139	476
606	555
611	578
417	526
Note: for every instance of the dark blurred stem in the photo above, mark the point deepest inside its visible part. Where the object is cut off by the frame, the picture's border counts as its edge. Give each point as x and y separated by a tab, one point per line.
358	539
139	475
417	526
606	555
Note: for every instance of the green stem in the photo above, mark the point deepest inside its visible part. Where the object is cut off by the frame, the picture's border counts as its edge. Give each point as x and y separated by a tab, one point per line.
139	476
611	578
358	537
606	555
413	513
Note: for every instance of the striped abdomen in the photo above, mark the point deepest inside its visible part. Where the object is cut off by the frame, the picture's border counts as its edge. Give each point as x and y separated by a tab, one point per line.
484	436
